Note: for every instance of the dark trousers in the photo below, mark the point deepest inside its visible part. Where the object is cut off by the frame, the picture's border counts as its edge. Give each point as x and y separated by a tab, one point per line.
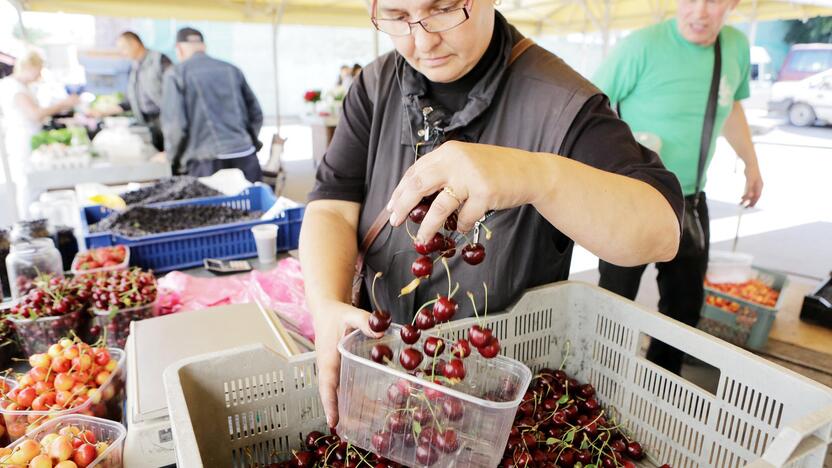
681	289
250	166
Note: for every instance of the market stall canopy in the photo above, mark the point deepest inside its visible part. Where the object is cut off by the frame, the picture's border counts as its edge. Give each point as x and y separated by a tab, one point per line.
533	16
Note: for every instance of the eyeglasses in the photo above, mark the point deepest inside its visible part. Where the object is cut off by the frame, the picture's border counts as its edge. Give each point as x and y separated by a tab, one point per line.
436	23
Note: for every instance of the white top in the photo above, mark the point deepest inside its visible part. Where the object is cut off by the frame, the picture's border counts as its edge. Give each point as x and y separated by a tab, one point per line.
18	128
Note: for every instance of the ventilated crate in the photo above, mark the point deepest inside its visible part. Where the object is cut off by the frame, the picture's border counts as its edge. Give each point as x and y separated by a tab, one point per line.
241	406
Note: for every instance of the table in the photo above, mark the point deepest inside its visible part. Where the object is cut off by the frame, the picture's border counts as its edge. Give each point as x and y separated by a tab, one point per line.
100	172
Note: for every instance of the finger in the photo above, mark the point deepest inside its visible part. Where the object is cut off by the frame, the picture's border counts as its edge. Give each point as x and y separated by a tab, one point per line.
359	320
440	209
472	211
327	386
421	182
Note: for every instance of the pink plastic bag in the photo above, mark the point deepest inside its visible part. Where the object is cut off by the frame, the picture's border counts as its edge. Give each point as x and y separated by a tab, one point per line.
280	289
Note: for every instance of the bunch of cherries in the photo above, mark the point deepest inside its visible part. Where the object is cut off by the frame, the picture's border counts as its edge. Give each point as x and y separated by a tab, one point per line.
321	450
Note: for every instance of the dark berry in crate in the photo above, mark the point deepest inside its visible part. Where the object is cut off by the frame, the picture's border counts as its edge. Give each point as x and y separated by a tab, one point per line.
410	358
422	267
380	321
434	346
473	254
635	451
424	319
381	353
444	309
454	369
410	334
399	422
461	349
447	441
398	392
302	459
418	213
479	336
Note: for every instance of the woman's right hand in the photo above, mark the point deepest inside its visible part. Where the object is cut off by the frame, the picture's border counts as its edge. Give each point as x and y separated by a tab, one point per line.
332	321
71	101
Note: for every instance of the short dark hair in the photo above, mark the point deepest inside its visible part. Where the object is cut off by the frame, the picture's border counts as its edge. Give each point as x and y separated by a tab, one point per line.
132	36
188	34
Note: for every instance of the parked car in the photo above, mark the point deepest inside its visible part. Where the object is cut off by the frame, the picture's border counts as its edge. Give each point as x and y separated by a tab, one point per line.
805	102
805	60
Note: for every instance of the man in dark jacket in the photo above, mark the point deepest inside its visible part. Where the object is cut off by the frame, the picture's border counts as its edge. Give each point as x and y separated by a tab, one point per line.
210	116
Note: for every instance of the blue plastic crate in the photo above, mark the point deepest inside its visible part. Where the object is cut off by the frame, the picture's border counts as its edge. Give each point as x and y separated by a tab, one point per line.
186	249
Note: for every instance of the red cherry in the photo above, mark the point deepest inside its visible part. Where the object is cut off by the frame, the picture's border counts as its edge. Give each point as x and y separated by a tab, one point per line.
423	415
410	358
425	455
461	348
382	441
380	321
399	422
454	369
424	320
490	350
410	334
449	250
423	249
479	336
447	441
398	392
314	440
635	451
422	267
84	455
619	445
381	353
473	254
418	213
444	309
434	346
453	409
427	436
450	223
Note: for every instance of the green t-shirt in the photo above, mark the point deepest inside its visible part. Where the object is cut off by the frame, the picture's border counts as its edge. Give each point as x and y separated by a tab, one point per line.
661	82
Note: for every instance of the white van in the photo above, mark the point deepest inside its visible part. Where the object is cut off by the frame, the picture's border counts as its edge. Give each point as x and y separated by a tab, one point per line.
805	102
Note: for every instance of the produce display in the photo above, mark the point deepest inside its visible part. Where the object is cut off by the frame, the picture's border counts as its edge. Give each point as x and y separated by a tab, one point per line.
70	375
61	136
60	149
71	447
118	299
55	308
96	259
141	221
171	189
753	290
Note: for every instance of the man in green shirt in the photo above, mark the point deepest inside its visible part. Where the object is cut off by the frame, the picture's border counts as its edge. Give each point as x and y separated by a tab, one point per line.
659	78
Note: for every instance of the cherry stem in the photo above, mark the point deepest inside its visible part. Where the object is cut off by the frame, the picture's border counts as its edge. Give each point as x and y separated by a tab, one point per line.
487	231
565	357
376	277
448	270
453	293
485	287
474	304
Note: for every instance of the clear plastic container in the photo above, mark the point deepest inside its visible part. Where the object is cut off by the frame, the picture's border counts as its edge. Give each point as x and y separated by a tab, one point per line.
729	267
105	431
120	267
36	335
473	418
108	405
115	325
29	259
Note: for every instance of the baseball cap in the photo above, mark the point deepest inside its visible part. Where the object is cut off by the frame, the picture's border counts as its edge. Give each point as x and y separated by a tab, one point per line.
188	35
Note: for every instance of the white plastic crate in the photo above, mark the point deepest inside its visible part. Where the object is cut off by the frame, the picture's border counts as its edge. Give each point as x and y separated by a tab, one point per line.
240	406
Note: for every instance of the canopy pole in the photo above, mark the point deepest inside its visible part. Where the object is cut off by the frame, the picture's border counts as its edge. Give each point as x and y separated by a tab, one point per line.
275	163
752	30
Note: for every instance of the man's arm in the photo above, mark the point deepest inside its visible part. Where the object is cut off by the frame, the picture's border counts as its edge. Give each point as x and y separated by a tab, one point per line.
738	134
255	114
174	119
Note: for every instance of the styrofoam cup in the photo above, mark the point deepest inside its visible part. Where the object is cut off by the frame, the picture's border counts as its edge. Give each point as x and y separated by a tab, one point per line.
265	237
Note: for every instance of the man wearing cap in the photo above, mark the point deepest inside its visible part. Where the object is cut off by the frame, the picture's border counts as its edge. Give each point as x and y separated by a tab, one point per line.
210	116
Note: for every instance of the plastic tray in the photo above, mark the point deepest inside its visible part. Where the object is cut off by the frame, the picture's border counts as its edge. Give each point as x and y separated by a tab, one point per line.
18	423
750	325
238	407
120	267
481	426
188	248
116	325
36	335
105	431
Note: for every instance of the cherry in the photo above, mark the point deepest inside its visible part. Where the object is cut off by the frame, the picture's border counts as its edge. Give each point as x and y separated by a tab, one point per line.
314	439
425	455
409	440
434	346
382	441
584	457
418	213
380	321
479	336
444	309
461	348
422	267
522	458
303	459
447	441
473	254
398	392
410	358
424	249
454	369
449	250
450	222
427	436
619	445
399	422
491	349
410	334
422	415
437	242
453	409
381	353
590	405
424	320
635	451
586	391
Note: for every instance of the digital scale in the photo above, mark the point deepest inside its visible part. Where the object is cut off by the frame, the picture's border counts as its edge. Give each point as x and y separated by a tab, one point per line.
163	341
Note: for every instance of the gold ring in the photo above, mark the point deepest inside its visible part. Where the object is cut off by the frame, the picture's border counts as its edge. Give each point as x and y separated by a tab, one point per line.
451	193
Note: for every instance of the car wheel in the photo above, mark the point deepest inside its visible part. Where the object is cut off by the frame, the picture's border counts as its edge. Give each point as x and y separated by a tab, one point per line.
801	115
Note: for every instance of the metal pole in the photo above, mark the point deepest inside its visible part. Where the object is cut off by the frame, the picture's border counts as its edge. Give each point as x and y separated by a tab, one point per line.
18	7
752	30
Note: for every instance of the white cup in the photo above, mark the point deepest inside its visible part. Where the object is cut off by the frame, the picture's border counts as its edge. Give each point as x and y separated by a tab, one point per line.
265	237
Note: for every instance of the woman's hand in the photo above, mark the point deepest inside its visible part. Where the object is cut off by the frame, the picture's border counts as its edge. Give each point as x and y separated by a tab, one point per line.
332	321
473	176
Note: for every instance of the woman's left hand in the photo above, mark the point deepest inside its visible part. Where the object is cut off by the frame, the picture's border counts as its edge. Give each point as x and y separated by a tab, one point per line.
471	177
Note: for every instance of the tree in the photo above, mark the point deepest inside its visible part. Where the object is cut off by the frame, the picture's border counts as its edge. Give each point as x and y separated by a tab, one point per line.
818	29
